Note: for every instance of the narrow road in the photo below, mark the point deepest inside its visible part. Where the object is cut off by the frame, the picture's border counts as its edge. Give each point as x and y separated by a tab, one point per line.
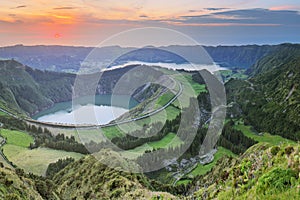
2	143
149	114
9	113
99	126
251	85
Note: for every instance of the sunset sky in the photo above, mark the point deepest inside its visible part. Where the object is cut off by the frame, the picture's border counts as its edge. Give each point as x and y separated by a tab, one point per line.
88	22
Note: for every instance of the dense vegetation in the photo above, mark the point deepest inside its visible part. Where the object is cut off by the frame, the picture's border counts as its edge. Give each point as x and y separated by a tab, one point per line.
270	99
13	187
54	168
234	139
263	172
27	91
93	180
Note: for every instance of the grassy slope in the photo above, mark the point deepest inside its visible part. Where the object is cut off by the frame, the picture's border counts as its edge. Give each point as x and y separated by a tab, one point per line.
272	139
203	169
21	188
190	89
170	140
228	74
90	179
260	173
16	138
168	114
35	161
164	99
247	130
3	161
2	113
265	137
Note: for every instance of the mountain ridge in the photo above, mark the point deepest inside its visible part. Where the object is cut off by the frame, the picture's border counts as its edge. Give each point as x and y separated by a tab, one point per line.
70	58
25	90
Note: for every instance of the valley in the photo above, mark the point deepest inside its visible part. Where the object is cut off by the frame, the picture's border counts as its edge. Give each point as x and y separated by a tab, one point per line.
259	140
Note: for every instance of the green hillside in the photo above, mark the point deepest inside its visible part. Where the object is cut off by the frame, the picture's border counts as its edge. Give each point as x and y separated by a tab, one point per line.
27	91
16	138
89	179
270	98
15	187
21	93
263	172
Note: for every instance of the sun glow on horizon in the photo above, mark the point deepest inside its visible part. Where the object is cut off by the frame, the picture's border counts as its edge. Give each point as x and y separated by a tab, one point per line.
88	22
57	35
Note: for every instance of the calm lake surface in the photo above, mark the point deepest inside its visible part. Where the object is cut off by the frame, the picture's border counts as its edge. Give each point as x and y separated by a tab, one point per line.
86	112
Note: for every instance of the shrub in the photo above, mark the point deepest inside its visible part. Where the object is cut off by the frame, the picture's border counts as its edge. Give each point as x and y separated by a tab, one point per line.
276	181
8	182
12	196
275	150
289	150
117	192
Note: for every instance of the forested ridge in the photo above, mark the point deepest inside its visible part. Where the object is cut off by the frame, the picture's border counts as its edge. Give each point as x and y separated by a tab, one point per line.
28	91
270	98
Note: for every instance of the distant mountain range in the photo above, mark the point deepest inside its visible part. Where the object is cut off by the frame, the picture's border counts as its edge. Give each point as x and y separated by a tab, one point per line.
70	59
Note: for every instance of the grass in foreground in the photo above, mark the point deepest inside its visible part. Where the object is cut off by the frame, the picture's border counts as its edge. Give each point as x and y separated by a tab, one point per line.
263	172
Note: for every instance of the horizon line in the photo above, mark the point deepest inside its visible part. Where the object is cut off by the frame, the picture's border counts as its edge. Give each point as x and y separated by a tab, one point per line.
149	46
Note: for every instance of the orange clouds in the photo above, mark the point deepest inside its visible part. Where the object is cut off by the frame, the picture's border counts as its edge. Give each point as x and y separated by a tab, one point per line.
285	7
218	24
63	19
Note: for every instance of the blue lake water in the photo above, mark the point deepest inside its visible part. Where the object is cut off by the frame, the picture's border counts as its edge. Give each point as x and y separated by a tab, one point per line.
102	111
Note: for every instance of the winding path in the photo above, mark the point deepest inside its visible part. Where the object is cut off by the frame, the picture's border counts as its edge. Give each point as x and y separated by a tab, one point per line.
2	143
88	126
